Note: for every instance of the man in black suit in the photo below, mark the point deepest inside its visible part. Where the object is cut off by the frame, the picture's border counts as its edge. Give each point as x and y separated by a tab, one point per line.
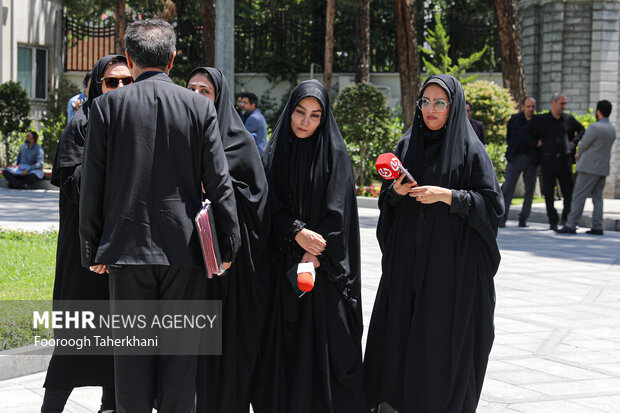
149	147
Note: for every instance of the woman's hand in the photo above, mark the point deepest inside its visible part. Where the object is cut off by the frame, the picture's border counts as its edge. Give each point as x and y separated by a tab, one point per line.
402	188
311	258
431	194
311	241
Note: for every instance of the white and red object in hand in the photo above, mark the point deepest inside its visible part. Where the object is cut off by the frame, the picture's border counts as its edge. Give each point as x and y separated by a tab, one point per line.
390	167
305	276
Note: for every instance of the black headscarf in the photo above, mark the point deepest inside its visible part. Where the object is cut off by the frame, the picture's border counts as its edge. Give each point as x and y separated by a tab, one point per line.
71	144
246	170
324	195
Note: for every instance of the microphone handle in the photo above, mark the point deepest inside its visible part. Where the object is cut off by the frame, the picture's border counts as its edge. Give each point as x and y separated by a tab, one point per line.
407	174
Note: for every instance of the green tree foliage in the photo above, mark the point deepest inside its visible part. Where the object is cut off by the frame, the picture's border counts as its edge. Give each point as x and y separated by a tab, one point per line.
55	117
492	105
438	60
14	115
366	126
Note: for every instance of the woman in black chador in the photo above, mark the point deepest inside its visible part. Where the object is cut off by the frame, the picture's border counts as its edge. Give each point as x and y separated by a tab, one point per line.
223	383
311	360
431	329
72	281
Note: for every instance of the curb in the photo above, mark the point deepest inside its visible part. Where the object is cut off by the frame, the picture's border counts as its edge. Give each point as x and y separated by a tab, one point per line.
21	361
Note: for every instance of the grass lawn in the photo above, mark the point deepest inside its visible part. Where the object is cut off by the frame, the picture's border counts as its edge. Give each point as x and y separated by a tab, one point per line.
519	201
27	266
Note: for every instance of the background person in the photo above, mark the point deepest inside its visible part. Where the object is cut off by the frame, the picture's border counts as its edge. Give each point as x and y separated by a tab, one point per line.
556	134
311	358
431	329
28	166
72	281
521	159
594	154
243	288
255	122
76	101
476	124
149	148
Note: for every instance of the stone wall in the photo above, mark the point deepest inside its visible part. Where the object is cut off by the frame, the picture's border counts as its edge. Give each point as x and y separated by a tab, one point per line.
573	46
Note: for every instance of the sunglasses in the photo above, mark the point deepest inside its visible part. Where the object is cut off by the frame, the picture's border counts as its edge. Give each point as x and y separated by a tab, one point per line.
112	82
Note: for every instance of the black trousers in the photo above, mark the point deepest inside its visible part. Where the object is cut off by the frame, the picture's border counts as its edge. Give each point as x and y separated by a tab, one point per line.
557	168
19	181
170	379
54	400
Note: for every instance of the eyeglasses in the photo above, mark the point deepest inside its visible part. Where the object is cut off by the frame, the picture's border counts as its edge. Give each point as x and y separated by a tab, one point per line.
438	105
112	82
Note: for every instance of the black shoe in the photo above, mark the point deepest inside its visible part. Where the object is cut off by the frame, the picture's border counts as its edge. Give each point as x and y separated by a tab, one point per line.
566	230
553	227
502	225
595	232
523	224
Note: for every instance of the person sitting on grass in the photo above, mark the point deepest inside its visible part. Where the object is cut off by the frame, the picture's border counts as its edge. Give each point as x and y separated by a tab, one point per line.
28	166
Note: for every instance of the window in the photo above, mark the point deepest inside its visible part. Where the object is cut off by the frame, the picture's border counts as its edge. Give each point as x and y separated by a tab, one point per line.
32	71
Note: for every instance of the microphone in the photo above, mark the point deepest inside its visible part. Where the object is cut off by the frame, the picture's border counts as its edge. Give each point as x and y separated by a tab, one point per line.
390	167
305	276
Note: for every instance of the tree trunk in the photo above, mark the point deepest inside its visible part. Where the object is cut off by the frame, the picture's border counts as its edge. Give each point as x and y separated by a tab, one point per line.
329	44
362	43
207	14
408	58
506	12
120	13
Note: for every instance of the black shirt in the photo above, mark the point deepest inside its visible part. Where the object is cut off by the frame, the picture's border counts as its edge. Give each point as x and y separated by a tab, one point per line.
554	133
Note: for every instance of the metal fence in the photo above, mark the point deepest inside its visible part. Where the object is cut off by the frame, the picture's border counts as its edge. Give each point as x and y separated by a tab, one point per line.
291	44
87	43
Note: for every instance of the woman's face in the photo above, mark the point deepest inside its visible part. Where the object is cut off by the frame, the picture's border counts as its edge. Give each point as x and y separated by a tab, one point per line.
306	117
433	118
202	84
115	76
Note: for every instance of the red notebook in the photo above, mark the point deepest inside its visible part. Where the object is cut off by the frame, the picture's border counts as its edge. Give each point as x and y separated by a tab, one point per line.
208	239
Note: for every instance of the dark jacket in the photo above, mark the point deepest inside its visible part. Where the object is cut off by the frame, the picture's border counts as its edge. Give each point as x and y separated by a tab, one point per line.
149	147
479	129
517	143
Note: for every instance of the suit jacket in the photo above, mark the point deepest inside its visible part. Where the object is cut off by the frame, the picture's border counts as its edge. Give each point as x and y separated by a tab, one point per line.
479	129
595	148
149	146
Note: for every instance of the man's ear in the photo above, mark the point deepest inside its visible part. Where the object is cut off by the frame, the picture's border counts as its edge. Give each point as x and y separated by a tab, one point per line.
169	66
130	63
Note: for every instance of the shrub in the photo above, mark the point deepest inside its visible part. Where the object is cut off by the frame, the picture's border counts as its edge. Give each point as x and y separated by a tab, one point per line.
366	126
492	105
14	116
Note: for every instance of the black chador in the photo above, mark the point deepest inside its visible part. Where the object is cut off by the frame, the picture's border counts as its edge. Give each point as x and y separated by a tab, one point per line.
432	324
72	281
224	381
311	356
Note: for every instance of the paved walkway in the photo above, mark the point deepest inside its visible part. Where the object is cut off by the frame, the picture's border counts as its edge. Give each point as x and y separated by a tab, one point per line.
557	346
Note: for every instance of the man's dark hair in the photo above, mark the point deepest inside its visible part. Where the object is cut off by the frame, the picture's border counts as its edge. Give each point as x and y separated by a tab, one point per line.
605	107
87	77
467	103
526	98
252	98
34	135
150	43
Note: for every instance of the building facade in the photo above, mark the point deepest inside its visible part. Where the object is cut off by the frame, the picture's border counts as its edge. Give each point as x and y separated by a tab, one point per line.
573	46
31	47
